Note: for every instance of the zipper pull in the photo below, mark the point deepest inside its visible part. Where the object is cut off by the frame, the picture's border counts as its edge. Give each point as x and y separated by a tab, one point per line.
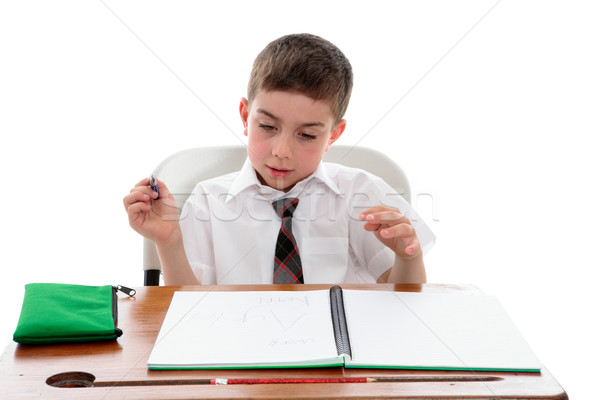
128	291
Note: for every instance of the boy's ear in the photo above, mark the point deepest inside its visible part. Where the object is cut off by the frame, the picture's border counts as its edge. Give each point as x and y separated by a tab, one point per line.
244	114
336	133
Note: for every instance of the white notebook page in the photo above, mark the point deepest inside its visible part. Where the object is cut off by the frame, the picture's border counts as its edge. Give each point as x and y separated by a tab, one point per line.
433	331
220	328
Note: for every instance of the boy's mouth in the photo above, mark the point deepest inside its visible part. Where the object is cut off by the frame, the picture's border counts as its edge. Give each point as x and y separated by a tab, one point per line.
279	172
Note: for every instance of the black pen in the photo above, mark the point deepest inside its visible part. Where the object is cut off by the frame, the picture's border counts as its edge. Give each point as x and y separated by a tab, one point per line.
154	185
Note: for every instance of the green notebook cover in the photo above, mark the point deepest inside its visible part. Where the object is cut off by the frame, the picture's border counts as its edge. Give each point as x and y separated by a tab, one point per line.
62	313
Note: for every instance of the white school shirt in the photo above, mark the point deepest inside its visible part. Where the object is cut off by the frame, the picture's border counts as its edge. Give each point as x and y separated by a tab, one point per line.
230	228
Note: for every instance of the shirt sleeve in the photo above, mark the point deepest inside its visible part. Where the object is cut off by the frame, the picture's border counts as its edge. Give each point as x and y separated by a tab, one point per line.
197	235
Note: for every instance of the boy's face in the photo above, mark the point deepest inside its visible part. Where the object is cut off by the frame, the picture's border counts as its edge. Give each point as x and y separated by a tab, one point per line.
288	133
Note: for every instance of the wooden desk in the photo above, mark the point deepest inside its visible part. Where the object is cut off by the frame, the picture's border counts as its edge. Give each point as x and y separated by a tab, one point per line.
118	368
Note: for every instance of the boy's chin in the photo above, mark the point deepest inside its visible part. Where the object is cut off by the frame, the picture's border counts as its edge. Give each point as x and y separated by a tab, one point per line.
283	185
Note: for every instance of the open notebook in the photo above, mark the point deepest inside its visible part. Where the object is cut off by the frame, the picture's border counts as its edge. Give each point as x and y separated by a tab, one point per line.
351	328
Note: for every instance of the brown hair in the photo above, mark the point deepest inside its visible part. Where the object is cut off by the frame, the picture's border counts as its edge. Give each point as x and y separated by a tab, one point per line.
307	64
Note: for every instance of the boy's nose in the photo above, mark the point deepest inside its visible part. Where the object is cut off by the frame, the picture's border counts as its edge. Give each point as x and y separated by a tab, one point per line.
282	147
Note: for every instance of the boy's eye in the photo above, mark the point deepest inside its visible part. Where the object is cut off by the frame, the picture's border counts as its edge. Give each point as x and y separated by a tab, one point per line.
306	136
266	127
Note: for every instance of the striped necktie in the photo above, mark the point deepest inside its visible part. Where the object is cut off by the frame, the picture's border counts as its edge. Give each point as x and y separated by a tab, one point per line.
287	266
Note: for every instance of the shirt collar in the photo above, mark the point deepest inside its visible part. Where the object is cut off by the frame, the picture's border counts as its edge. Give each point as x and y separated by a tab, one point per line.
247	179
321	175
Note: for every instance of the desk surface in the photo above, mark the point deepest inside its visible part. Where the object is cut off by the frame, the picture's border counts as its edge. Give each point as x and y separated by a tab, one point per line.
118	368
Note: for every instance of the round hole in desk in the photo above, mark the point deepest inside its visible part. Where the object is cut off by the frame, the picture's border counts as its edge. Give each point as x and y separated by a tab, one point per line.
71	379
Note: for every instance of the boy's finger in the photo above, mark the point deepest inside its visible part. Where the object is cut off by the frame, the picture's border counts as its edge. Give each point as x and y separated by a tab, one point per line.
413	248
145	190
143	182
386	216
370	227
374	210
146	183
407	234
142	195
137	208
399	231
134	198
131	198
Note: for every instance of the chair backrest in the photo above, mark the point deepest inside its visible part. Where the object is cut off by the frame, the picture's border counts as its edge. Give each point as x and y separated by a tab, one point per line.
183	170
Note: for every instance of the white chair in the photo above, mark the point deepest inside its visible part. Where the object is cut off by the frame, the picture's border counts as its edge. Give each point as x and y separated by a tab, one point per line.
183	170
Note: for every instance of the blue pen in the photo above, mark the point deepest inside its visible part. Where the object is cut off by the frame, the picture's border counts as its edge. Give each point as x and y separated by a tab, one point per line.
154	186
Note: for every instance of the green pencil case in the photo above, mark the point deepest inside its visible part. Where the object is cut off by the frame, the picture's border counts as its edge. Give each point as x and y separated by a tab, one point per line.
64	313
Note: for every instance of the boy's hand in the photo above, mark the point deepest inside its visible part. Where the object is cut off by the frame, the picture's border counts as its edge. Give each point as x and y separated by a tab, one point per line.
157	220
393	229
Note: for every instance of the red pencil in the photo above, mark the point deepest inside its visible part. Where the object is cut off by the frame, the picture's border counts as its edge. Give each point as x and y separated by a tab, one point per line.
287	380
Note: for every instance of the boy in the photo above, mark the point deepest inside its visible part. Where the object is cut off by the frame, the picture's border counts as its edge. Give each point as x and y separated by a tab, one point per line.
348	226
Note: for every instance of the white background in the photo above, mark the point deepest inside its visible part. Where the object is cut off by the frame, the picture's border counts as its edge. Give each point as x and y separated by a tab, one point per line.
490	107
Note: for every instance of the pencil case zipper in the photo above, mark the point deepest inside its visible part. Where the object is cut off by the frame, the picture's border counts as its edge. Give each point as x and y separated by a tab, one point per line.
115	310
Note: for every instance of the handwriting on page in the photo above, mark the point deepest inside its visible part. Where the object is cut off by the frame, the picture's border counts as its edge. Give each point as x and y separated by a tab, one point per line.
286	311
247	327
286	316
292	342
